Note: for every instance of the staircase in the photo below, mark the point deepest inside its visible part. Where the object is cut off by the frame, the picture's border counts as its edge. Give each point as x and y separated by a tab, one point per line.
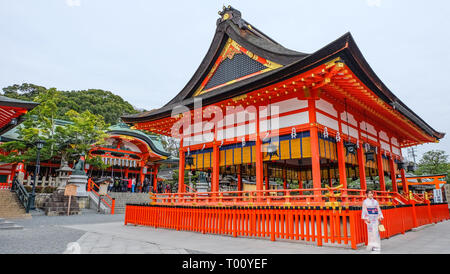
10	207
122	198
93	204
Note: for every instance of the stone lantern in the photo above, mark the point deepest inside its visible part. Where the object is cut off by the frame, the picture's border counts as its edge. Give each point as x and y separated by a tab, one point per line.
63	175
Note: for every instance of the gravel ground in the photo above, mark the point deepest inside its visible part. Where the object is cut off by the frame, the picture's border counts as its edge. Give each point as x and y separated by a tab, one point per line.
46	234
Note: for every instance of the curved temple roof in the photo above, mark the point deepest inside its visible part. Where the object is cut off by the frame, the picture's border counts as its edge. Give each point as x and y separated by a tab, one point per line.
291	63
153	143
13	109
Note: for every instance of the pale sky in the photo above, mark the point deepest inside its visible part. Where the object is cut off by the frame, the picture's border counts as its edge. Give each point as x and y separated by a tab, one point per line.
146	51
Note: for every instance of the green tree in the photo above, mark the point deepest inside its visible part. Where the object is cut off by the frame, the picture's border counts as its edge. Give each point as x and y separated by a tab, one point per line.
97	101
39	124
433	162
87	130
66	142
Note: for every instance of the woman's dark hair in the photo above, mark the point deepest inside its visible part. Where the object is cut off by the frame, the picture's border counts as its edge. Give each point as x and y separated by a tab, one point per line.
368	191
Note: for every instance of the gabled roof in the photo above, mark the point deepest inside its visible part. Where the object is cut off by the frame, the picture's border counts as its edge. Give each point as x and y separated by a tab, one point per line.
13	109
231	25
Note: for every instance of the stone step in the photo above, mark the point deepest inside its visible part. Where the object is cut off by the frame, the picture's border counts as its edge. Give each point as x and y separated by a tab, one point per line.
10	206
7	225
12	210
17	216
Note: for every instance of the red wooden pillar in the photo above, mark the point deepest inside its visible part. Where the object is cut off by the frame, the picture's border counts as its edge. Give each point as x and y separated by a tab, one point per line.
314	142
126	173
141	176
393	176
155	180
181	163
341	164
381	170
362	167
284	177
259	158
404	183
341	156
155	177
403	176
215	169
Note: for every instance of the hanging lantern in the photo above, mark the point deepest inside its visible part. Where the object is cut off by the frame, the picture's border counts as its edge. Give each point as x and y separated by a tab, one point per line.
272	150
370	154
189	160
410	167
350	148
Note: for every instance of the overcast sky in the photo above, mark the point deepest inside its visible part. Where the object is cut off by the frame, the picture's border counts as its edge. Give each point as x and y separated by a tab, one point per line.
146	51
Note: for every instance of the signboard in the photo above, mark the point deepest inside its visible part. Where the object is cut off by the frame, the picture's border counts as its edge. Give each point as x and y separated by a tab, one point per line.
437	195
70	190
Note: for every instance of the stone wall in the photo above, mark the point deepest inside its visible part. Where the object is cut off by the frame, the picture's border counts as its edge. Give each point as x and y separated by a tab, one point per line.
83	202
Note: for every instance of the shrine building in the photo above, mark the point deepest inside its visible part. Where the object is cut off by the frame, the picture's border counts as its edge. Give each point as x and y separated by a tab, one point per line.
254	108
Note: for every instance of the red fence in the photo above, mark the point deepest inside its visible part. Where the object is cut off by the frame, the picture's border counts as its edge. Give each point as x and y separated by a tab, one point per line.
308	223
91	186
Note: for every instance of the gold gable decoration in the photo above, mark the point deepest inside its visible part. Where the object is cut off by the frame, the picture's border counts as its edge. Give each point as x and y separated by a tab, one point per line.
229	51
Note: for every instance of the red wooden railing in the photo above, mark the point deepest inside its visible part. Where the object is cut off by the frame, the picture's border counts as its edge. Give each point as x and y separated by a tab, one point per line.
327	196
91	185
308	223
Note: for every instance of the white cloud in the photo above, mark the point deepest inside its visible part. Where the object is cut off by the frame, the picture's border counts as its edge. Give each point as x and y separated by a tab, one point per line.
73	3
374	3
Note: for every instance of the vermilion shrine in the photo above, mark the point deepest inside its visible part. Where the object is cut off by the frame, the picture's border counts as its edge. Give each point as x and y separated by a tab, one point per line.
318	121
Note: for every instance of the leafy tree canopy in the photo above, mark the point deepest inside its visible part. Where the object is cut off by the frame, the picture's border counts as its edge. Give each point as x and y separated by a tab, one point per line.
433	162
96	101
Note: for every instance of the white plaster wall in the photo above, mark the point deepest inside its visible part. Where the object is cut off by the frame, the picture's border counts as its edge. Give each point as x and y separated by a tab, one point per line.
326	107
327	121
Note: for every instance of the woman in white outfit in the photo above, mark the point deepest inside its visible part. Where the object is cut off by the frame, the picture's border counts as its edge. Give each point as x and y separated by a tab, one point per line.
371	214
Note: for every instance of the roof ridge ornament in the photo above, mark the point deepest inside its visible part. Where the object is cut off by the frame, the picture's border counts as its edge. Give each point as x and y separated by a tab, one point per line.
229	13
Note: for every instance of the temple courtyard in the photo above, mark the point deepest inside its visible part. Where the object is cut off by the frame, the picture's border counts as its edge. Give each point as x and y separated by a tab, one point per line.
92	233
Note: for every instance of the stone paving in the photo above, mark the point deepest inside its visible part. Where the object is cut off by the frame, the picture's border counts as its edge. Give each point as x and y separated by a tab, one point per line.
93	233
431	239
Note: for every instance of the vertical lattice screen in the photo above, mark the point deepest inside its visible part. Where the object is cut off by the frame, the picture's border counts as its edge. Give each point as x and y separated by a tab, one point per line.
231	69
